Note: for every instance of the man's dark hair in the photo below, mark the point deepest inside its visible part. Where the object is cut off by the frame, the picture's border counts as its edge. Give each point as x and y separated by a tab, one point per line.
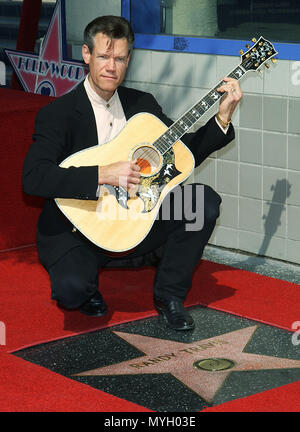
114	27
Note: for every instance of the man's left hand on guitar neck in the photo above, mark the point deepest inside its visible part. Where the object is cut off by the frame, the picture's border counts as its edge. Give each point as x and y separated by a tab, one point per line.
232	96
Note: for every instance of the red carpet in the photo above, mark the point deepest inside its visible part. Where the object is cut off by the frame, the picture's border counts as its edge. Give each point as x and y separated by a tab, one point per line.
31	318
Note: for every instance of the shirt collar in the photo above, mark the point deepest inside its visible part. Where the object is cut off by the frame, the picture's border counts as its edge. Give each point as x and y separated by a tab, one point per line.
95	98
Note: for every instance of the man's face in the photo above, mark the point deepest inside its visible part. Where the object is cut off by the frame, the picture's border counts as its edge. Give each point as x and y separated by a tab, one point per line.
107	63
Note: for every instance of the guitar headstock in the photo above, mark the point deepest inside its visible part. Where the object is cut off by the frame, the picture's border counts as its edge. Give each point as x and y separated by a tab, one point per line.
258	55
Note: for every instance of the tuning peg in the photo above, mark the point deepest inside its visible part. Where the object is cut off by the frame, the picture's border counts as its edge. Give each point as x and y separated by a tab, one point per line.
247	46
241	52
274	60
254	40
267	66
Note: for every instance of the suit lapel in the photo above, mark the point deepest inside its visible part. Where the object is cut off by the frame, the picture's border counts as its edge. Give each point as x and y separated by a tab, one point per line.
129	107
85	122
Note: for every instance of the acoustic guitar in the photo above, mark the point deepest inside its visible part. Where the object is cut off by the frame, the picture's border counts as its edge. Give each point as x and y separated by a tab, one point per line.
119	221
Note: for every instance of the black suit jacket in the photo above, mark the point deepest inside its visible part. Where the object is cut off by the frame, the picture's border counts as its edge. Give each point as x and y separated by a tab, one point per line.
68	125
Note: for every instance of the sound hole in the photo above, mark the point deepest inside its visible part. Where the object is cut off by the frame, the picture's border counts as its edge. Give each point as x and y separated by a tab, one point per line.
148	159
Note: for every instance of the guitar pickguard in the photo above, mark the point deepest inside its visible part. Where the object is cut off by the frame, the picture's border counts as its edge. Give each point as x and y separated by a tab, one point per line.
151	187
120	193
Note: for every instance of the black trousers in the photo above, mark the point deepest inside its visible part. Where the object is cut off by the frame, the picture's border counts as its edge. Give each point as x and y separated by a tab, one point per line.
183	227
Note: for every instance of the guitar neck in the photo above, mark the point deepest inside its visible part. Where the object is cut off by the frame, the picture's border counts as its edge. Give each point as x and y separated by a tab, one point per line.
187	120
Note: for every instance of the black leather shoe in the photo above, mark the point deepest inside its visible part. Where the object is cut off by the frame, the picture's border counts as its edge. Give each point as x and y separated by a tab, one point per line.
96	306
174	314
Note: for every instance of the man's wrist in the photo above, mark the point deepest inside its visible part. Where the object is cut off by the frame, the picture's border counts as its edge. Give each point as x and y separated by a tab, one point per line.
222	121
100	173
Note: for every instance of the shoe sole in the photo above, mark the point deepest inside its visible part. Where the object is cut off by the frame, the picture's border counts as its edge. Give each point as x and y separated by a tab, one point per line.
99	314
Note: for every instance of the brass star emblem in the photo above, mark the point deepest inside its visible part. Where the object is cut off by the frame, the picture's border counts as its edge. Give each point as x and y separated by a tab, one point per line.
202	366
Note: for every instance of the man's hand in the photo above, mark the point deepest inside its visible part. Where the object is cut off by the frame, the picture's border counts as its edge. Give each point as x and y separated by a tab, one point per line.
121	173
230	100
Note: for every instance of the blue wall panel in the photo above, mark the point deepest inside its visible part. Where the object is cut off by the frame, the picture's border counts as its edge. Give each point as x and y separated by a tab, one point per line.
148	18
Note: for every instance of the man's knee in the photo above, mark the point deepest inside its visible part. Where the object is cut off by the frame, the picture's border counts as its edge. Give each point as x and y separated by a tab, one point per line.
212	202
201	205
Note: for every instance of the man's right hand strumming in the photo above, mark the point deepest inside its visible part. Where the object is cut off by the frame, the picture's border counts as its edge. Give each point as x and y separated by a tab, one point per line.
122	173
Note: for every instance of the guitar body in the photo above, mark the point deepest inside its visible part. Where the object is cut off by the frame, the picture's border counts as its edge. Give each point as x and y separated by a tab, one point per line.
118	222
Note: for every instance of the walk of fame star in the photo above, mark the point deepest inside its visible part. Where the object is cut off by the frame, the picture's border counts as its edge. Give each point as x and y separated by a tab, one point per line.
221	355
48	72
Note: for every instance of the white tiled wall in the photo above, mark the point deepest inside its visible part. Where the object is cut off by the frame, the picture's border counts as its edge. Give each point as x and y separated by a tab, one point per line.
257	175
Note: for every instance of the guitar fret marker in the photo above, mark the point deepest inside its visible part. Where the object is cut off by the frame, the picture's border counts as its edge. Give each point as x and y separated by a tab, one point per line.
214	95
205	105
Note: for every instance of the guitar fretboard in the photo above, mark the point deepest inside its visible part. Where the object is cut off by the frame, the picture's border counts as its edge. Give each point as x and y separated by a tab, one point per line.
185	122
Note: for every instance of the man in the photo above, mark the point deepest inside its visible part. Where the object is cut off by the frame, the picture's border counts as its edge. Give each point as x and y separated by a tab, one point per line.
94	113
